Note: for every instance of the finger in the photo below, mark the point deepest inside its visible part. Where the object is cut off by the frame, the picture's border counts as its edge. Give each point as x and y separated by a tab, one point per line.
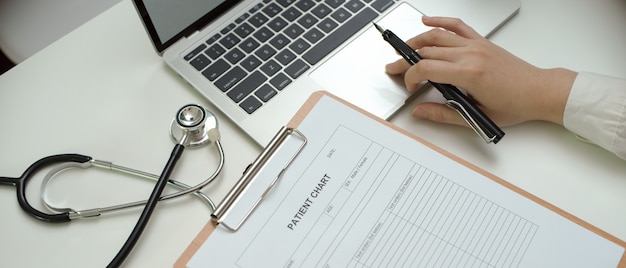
413	78
451	24
438	112
449	54
436	37
433	70
398	67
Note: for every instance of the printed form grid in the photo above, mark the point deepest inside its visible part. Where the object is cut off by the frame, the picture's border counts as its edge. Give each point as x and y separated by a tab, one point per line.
429	215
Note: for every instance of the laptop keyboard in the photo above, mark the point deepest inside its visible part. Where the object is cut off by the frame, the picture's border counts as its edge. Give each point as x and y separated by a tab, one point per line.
265	49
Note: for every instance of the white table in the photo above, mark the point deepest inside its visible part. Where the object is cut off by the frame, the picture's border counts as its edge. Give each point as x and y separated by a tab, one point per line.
117	105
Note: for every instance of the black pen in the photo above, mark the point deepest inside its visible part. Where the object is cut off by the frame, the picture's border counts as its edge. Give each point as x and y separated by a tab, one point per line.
481	124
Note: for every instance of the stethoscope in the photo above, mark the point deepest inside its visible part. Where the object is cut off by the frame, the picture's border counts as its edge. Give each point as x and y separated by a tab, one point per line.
193	126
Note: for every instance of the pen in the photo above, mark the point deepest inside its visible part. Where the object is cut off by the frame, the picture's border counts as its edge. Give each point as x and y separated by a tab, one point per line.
479	122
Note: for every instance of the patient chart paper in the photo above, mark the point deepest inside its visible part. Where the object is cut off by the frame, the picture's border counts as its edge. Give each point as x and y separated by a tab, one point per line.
361	194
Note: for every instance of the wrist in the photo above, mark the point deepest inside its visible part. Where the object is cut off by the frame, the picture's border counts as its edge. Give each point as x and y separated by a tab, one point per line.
553	87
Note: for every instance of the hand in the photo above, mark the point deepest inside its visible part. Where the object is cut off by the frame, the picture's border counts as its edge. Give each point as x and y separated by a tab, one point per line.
509	90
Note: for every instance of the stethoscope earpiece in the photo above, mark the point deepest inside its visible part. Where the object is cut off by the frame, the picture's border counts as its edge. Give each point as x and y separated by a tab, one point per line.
191	126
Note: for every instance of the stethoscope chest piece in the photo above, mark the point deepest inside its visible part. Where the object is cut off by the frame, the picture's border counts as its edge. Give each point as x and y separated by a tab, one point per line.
195	122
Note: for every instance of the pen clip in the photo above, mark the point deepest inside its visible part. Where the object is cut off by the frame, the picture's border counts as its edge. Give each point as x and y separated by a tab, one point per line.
470	120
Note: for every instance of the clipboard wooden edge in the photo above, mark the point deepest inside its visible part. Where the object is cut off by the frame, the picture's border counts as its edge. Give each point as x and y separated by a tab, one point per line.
314	99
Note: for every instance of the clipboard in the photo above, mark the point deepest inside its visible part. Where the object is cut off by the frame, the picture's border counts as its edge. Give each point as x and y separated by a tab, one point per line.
291	130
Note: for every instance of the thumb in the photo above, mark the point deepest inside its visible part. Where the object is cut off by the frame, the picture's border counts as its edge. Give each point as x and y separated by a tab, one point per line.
398	67
438	112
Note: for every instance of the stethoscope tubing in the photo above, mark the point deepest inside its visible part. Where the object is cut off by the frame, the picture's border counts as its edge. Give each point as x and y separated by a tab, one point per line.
87	213
21	182
149	208
67	160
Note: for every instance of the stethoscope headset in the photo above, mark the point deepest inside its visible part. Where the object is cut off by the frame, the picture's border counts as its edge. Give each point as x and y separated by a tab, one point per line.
193	126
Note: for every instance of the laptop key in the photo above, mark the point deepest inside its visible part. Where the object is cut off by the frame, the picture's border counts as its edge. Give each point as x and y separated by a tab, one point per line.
286	3
382	5
334	3
292	14
247	85
216	69
279	41
341	15
200	62
297	68
354	5
299	46
263	34
228	28
272	10
277	24
213	38
230	78
242	18
250	63
234	56
340	35
313	35
285	57
244	30
195	52
265	92
271	67
215	51
305	5
307	21
229	41
249	45
321	10
280	81
250	105
256	8
265	52
293	31
327	25
257	19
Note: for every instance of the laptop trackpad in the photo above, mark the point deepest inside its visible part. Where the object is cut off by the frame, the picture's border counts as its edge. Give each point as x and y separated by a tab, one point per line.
357	72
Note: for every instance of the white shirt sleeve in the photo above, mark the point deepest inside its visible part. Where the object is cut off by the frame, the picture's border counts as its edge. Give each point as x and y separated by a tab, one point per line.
596	111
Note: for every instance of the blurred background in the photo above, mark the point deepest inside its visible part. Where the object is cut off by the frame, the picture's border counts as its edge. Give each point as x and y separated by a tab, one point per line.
27	26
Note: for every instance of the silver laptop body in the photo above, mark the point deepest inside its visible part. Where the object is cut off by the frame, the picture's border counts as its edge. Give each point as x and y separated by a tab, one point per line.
259	60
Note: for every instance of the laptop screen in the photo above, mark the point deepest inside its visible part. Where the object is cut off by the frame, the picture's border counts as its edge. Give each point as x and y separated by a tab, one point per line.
167	20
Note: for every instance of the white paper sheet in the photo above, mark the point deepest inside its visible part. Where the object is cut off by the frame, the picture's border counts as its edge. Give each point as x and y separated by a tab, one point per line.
364	195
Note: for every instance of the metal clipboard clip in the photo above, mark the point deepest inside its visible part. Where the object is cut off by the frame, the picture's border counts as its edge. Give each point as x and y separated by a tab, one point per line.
255	182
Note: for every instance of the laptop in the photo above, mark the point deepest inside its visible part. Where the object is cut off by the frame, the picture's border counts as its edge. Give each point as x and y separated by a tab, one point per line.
257	61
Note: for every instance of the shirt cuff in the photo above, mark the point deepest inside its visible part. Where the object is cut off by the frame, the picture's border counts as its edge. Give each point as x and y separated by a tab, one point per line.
596	111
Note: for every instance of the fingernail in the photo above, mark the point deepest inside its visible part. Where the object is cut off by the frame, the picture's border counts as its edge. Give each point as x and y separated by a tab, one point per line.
419	112
389	68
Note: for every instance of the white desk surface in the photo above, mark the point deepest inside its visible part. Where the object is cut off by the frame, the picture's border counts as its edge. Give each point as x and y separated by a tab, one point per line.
117	105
